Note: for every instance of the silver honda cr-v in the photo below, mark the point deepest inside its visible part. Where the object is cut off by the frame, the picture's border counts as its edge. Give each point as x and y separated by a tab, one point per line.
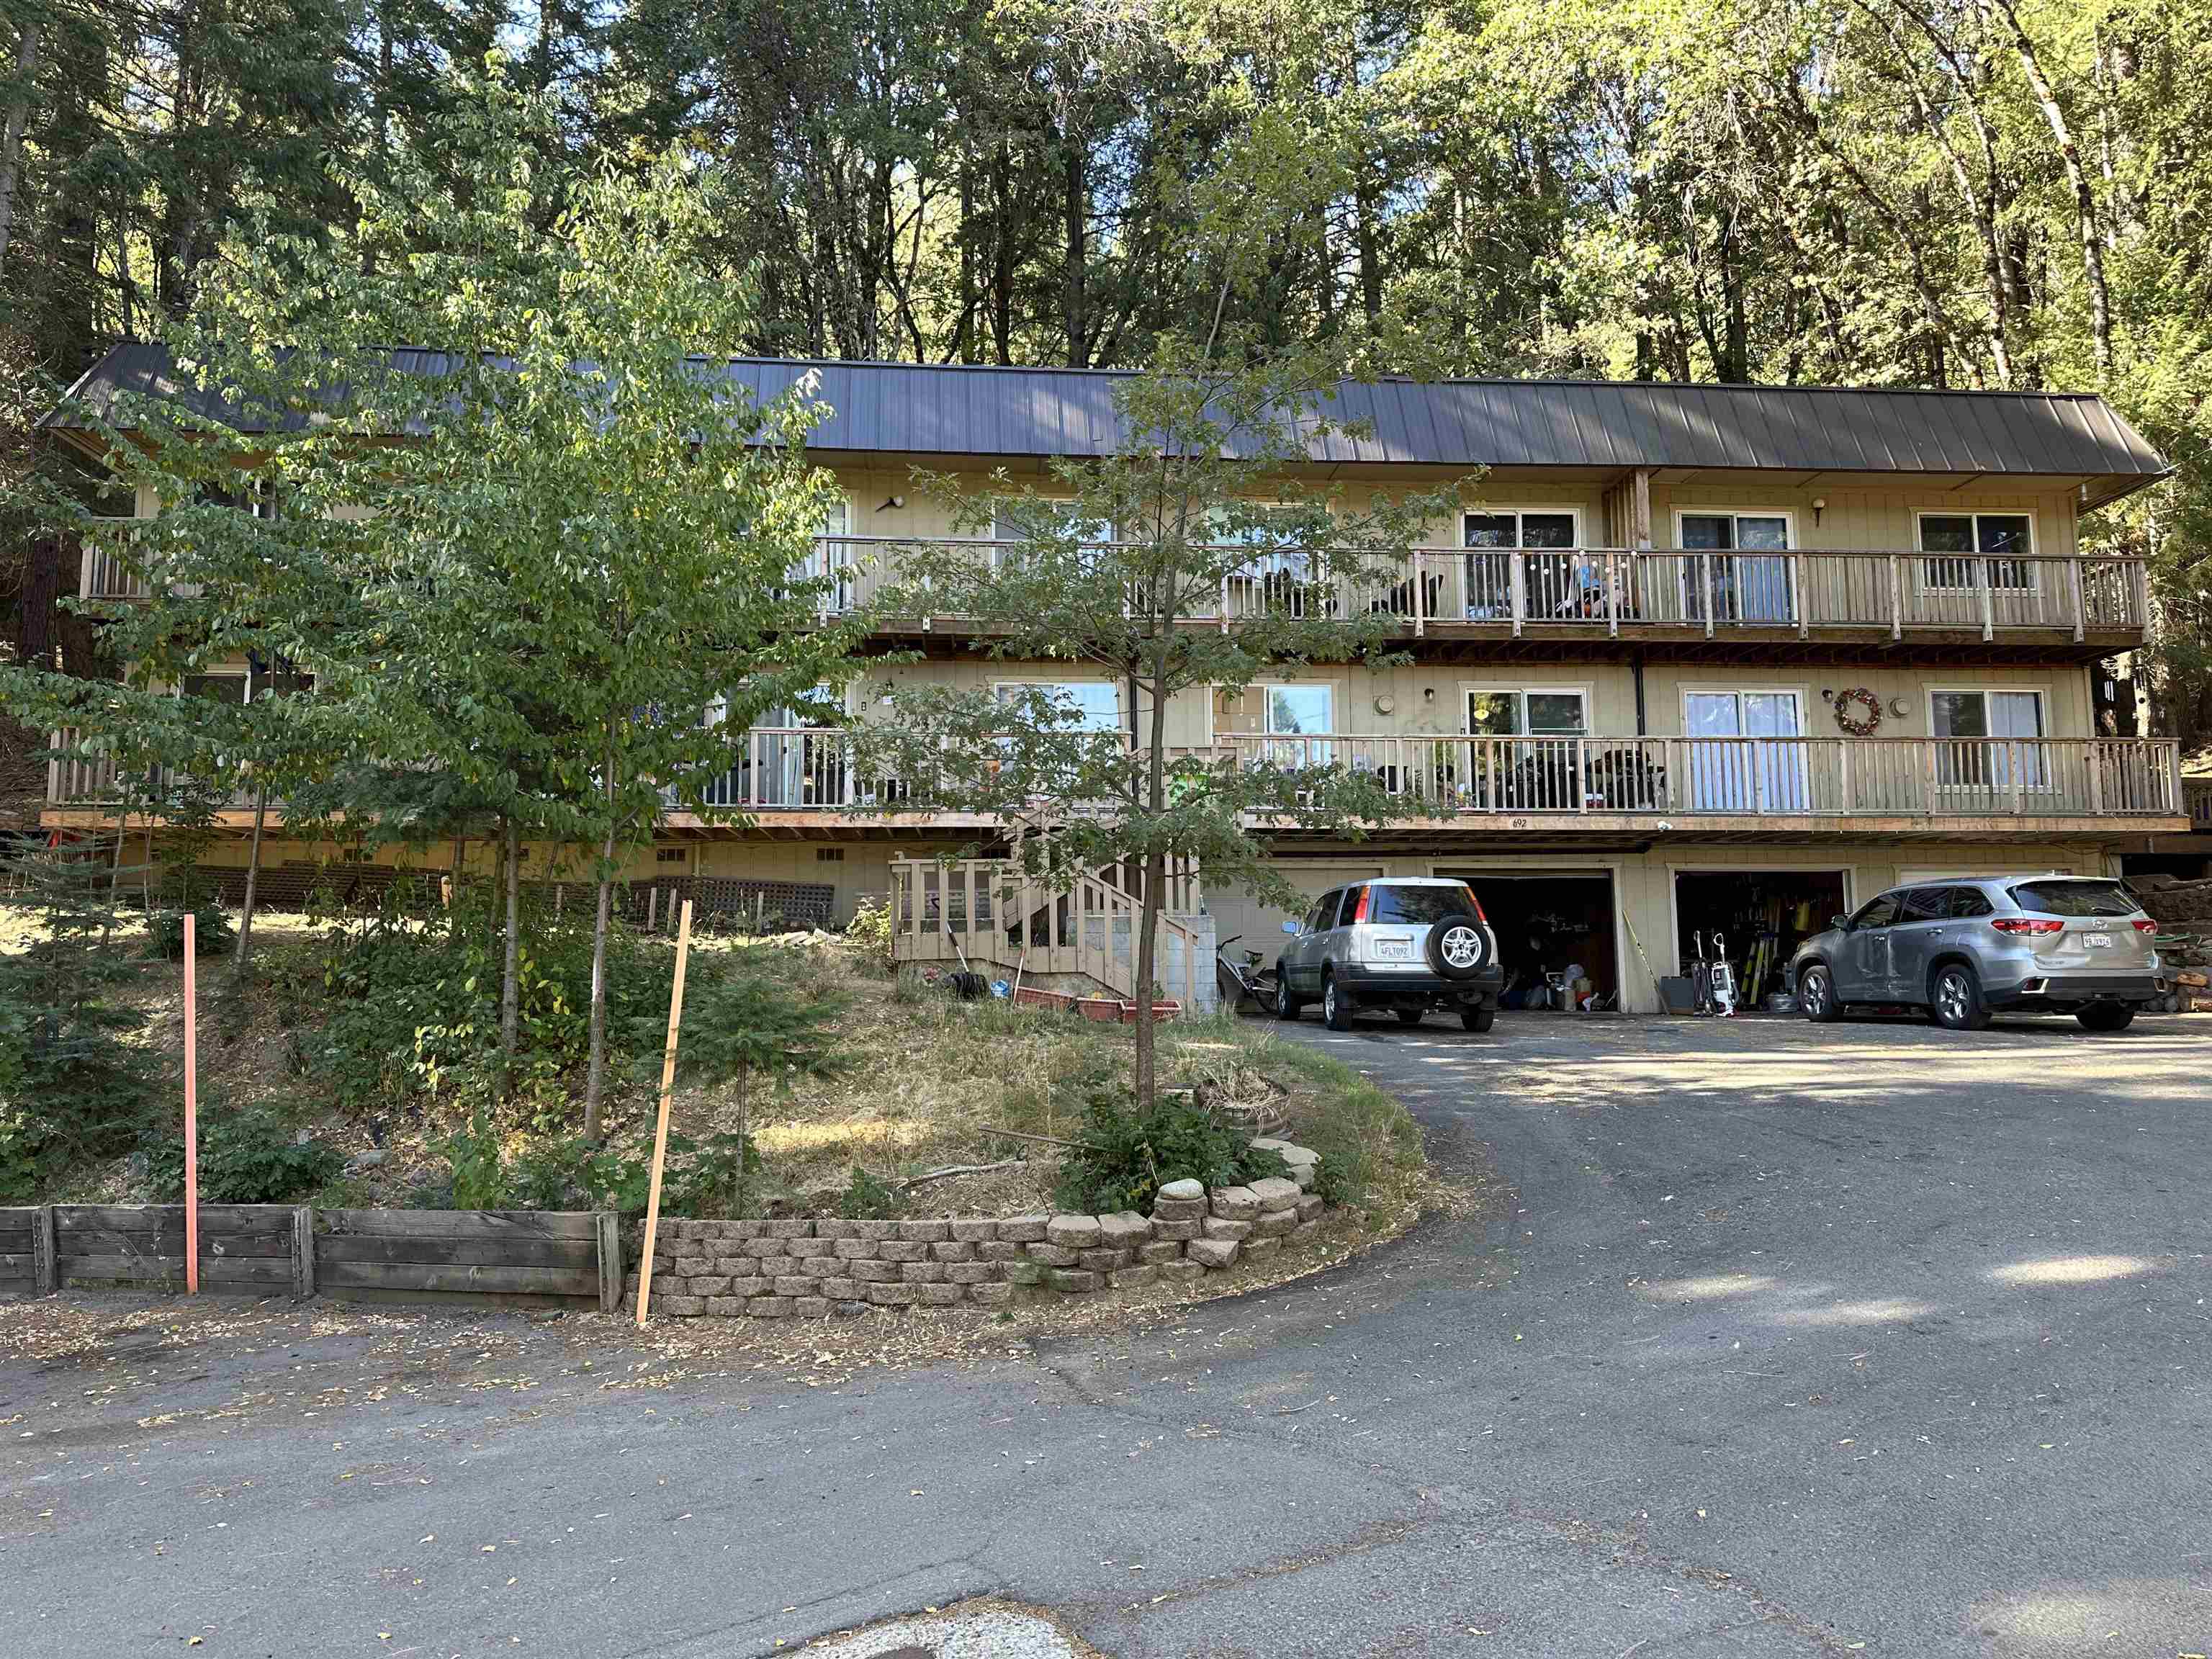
1406	943
1966	948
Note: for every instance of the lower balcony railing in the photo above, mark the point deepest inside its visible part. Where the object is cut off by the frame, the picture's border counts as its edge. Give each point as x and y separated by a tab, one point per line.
800	769
2197	793
1761	777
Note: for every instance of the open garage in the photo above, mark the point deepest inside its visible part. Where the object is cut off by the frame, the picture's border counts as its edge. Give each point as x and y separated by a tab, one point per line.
1754	918
1556	929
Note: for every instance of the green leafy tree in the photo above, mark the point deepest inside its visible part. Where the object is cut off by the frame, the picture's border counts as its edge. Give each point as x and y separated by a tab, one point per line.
1126	567
754	1021
72	1088
528	571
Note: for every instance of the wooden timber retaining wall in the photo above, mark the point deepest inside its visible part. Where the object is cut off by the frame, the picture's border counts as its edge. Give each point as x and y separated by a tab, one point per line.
267	1249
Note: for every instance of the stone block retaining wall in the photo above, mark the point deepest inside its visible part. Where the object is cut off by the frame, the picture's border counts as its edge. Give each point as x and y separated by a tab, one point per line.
811	1269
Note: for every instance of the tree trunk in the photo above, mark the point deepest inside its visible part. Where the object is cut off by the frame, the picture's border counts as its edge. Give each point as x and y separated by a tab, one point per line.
245	954
2085	200
1075	278
510	972
1153	901
595	1075
11	133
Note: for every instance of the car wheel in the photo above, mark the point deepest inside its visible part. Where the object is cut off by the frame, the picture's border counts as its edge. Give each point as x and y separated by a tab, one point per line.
1336	1007
1410	1015
1287	1006
2106	1017
1478	1020
1816	996
1956	998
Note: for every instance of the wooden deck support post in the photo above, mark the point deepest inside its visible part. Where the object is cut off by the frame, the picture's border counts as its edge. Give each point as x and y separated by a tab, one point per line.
46	1259
606	1226
303	1250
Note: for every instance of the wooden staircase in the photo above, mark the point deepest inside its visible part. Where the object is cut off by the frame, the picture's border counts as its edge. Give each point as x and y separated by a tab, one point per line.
1001	921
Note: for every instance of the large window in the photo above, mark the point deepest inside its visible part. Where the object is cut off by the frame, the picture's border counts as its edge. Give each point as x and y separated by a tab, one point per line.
1518	712
1095	705
832	557
1549	582
1996	542
1018	524
1300	710
2010	722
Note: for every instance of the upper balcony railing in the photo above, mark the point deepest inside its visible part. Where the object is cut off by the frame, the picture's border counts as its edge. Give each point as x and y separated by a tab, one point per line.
1625	591
782	770
1461	591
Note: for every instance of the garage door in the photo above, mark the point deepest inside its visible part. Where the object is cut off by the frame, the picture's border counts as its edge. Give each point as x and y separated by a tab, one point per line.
1954	871
1261	926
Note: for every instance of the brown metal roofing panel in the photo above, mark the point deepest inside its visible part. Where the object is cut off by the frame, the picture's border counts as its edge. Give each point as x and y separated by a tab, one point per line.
1800	439
1966	430
2038	434
950	411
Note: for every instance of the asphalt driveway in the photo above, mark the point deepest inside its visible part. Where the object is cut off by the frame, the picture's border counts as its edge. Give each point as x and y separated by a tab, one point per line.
1867	1339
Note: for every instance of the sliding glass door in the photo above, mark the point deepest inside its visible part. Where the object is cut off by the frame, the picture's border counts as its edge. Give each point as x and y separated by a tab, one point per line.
1743	585
1744	753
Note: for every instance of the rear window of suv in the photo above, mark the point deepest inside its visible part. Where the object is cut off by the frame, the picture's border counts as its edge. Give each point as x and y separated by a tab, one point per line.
1416	907
2074	898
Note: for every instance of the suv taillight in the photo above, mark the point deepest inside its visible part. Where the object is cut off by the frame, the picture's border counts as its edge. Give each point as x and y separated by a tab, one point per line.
2027	924
1476	904
1359	912
2145	924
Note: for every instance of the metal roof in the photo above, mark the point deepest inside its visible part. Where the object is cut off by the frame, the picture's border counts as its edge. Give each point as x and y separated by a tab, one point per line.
932	409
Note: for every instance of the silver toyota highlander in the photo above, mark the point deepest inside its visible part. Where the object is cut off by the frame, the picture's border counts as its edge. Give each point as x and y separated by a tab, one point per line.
1966	948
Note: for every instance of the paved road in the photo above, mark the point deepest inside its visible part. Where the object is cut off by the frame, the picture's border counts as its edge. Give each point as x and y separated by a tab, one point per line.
1794	1342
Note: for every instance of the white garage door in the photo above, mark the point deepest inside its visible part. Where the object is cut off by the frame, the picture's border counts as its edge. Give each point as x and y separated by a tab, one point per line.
1262	927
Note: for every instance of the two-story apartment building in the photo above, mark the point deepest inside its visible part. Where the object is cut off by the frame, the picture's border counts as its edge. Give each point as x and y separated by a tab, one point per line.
1693	658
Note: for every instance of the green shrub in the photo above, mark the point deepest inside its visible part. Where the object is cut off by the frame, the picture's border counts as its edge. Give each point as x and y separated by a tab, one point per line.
473	1160
869	934
213	935
1128	1156
73	1090
865	1198
247	1156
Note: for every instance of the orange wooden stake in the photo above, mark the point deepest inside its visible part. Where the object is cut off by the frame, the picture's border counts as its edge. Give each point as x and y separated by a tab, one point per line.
660	1128
191	1108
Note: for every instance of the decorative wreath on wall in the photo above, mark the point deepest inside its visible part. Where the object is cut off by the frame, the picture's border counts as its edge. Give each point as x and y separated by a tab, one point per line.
1862	724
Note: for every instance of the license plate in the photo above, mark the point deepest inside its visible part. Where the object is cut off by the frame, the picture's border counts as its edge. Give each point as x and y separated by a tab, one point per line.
1394	949
2097	941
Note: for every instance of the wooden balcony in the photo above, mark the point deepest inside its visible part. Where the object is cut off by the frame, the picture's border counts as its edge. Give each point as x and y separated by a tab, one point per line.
1689	603
1686	604
809	783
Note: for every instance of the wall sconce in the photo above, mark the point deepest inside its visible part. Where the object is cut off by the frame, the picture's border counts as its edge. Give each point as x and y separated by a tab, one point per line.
895	501
1819	503
1428	694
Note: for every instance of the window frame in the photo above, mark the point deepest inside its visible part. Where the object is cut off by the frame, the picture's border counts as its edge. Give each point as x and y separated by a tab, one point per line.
1694	603
1470	689
1266	690
1027	682
2040	779
1518	512
1924	562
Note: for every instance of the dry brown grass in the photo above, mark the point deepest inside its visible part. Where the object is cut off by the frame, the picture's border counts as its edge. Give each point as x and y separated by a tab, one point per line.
926	1080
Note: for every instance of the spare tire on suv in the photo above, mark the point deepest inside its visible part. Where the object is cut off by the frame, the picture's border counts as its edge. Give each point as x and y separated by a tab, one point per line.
1457	946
